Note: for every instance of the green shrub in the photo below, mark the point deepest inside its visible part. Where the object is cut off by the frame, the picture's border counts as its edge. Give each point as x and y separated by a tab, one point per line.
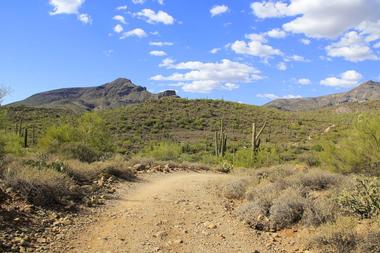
357	150
363	198
81	152
163	151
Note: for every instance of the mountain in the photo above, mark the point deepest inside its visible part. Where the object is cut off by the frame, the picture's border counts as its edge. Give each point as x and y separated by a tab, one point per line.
365	92
110	95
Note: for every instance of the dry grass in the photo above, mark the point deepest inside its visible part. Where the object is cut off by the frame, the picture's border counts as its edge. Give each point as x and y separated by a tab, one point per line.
40	187
236	189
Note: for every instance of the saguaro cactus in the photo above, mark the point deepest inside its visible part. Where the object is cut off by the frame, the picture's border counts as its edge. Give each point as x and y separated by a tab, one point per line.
220	141
26	138
256	141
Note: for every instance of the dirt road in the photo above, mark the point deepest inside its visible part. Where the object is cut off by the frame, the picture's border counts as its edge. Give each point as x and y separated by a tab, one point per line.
168	213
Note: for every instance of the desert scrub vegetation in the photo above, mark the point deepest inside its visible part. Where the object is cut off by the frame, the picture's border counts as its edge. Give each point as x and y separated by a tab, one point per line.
87	139
50	182
333	205
355	150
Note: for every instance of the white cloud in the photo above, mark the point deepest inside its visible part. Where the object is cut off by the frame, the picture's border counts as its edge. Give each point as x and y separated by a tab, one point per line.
273	96
215	50
377	45
85	18
66	6
255	47
305	41
269	9
118	28
153	17
282	66
122	8
276	33
371	30
218	10
138	32
119	18
161	44
158	53
295	57
347	79
138	1
351	47
322	18
204	77
304	81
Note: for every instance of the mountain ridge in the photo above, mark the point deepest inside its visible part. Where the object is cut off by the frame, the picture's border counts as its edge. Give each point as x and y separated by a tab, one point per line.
365	92
114	94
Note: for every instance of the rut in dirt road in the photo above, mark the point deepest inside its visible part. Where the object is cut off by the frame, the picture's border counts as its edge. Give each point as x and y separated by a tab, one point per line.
169	213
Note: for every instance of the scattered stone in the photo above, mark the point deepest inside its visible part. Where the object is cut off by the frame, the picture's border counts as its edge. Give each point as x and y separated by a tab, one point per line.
139	167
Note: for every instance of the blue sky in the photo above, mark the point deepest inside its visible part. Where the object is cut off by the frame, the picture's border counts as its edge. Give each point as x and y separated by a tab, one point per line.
247	51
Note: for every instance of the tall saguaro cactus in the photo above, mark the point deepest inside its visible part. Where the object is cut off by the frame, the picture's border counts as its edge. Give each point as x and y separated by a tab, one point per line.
256	141
220	141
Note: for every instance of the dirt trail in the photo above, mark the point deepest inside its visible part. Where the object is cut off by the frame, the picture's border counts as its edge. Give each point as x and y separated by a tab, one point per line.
168	213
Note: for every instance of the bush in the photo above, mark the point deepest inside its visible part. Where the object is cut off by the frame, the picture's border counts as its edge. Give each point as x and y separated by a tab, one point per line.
340	237
363	199
287	209
81	152
40	187
316	180
358	150
164	151
255	214
235	189
371	242
320	211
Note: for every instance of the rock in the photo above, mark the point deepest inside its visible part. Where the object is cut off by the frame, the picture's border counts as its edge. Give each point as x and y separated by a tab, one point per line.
139	167
179	241
100	182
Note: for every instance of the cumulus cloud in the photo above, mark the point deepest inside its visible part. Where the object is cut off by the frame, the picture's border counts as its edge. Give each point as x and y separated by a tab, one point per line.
347	79
271	96
137	32
120	19
218	10
153	17
158	53
138	1
304	81
161	44
70	7
204	77
256	47
276	33
320	19
118	28
351	47
66	6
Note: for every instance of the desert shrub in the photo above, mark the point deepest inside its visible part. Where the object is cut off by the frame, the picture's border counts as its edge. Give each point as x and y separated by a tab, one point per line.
267	156
340	237
316	180
320	211
235	189
357	150
40	187
225	167
163	151
371	242
287	209
363	198
10	143
255	214
86	138
81	152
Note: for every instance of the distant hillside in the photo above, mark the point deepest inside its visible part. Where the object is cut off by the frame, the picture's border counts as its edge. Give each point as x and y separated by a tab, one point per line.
110	95
366	92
